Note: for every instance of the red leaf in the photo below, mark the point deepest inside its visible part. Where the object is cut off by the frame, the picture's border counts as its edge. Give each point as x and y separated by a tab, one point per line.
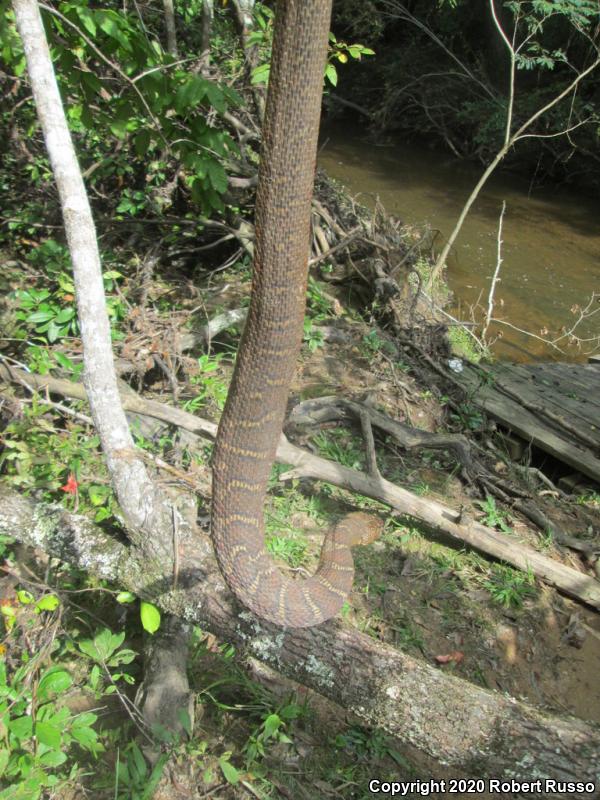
71	485
456	656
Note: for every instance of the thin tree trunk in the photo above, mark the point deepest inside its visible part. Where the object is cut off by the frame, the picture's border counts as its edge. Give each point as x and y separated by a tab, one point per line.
461	726
243	14
171	28
208	13
149	513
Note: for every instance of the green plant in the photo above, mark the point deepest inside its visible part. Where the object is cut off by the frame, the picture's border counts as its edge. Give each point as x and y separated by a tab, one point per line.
365	744
372	343
37	455
465	345
290	550
134	780
42	359
510	587
47	309
340	51
407	636
108	658
468	415
212	386
319	305
271	730
312	336
494	517
44	315
591	498
154	107
40	736
339	446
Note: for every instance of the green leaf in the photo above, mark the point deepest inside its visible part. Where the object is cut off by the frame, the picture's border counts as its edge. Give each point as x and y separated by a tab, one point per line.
142	141
125	597
25	597
112	25
87	19
230	773
271	725
150	616
102	647
53	758
190	94
138	762
91	82
53	332
331	74
94	676
22	728
48	734
85	719
48	603
216	97
260	74
64	361
118	126
41	316
86	737
4	756
124	656
217	176
54	681
65	315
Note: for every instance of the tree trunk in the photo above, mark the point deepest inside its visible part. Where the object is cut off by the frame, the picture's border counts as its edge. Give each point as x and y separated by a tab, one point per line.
208	13
463	727
243	16
171	28
149	512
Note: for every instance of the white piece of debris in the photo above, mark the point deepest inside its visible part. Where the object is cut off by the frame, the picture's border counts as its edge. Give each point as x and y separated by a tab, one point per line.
456	364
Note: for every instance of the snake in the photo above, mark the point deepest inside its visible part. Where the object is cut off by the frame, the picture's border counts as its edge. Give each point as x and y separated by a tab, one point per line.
253	416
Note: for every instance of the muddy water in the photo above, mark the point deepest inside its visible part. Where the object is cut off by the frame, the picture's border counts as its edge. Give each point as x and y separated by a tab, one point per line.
551	236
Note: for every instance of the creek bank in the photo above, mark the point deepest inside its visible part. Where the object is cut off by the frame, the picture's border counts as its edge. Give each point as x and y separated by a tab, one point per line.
551	239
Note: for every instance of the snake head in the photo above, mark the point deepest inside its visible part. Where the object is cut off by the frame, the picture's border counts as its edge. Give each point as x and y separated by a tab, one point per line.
361	528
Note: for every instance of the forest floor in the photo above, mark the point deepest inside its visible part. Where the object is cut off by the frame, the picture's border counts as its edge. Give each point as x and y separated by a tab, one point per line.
485	622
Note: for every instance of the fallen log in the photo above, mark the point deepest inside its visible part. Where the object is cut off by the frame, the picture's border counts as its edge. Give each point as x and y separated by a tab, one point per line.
437	517
460	725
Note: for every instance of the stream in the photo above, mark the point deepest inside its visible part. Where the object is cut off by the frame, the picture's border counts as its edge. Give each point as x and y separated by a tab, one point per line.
551	238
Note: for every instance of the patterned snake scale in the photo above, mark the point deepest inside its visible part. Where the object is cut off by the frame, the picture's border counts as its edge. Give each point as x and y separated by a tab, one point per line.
253	416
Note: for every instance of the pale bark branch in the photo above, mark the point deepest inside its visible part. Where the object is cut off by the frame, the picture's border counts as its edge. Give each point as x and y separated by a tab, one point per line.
148	512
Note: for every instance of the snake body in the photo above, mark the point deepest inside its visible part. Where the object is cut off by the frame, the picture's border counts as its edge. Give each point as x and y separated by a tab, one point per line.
252	420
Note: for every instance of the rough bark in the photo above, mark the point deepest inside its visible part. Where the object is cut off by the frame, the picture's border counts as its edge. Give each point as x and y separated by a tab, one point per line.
460	725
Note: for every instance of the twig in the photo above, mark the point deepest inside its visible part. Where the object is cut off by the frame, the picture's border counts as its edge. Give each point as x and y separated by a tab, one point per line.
367	429
496	276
